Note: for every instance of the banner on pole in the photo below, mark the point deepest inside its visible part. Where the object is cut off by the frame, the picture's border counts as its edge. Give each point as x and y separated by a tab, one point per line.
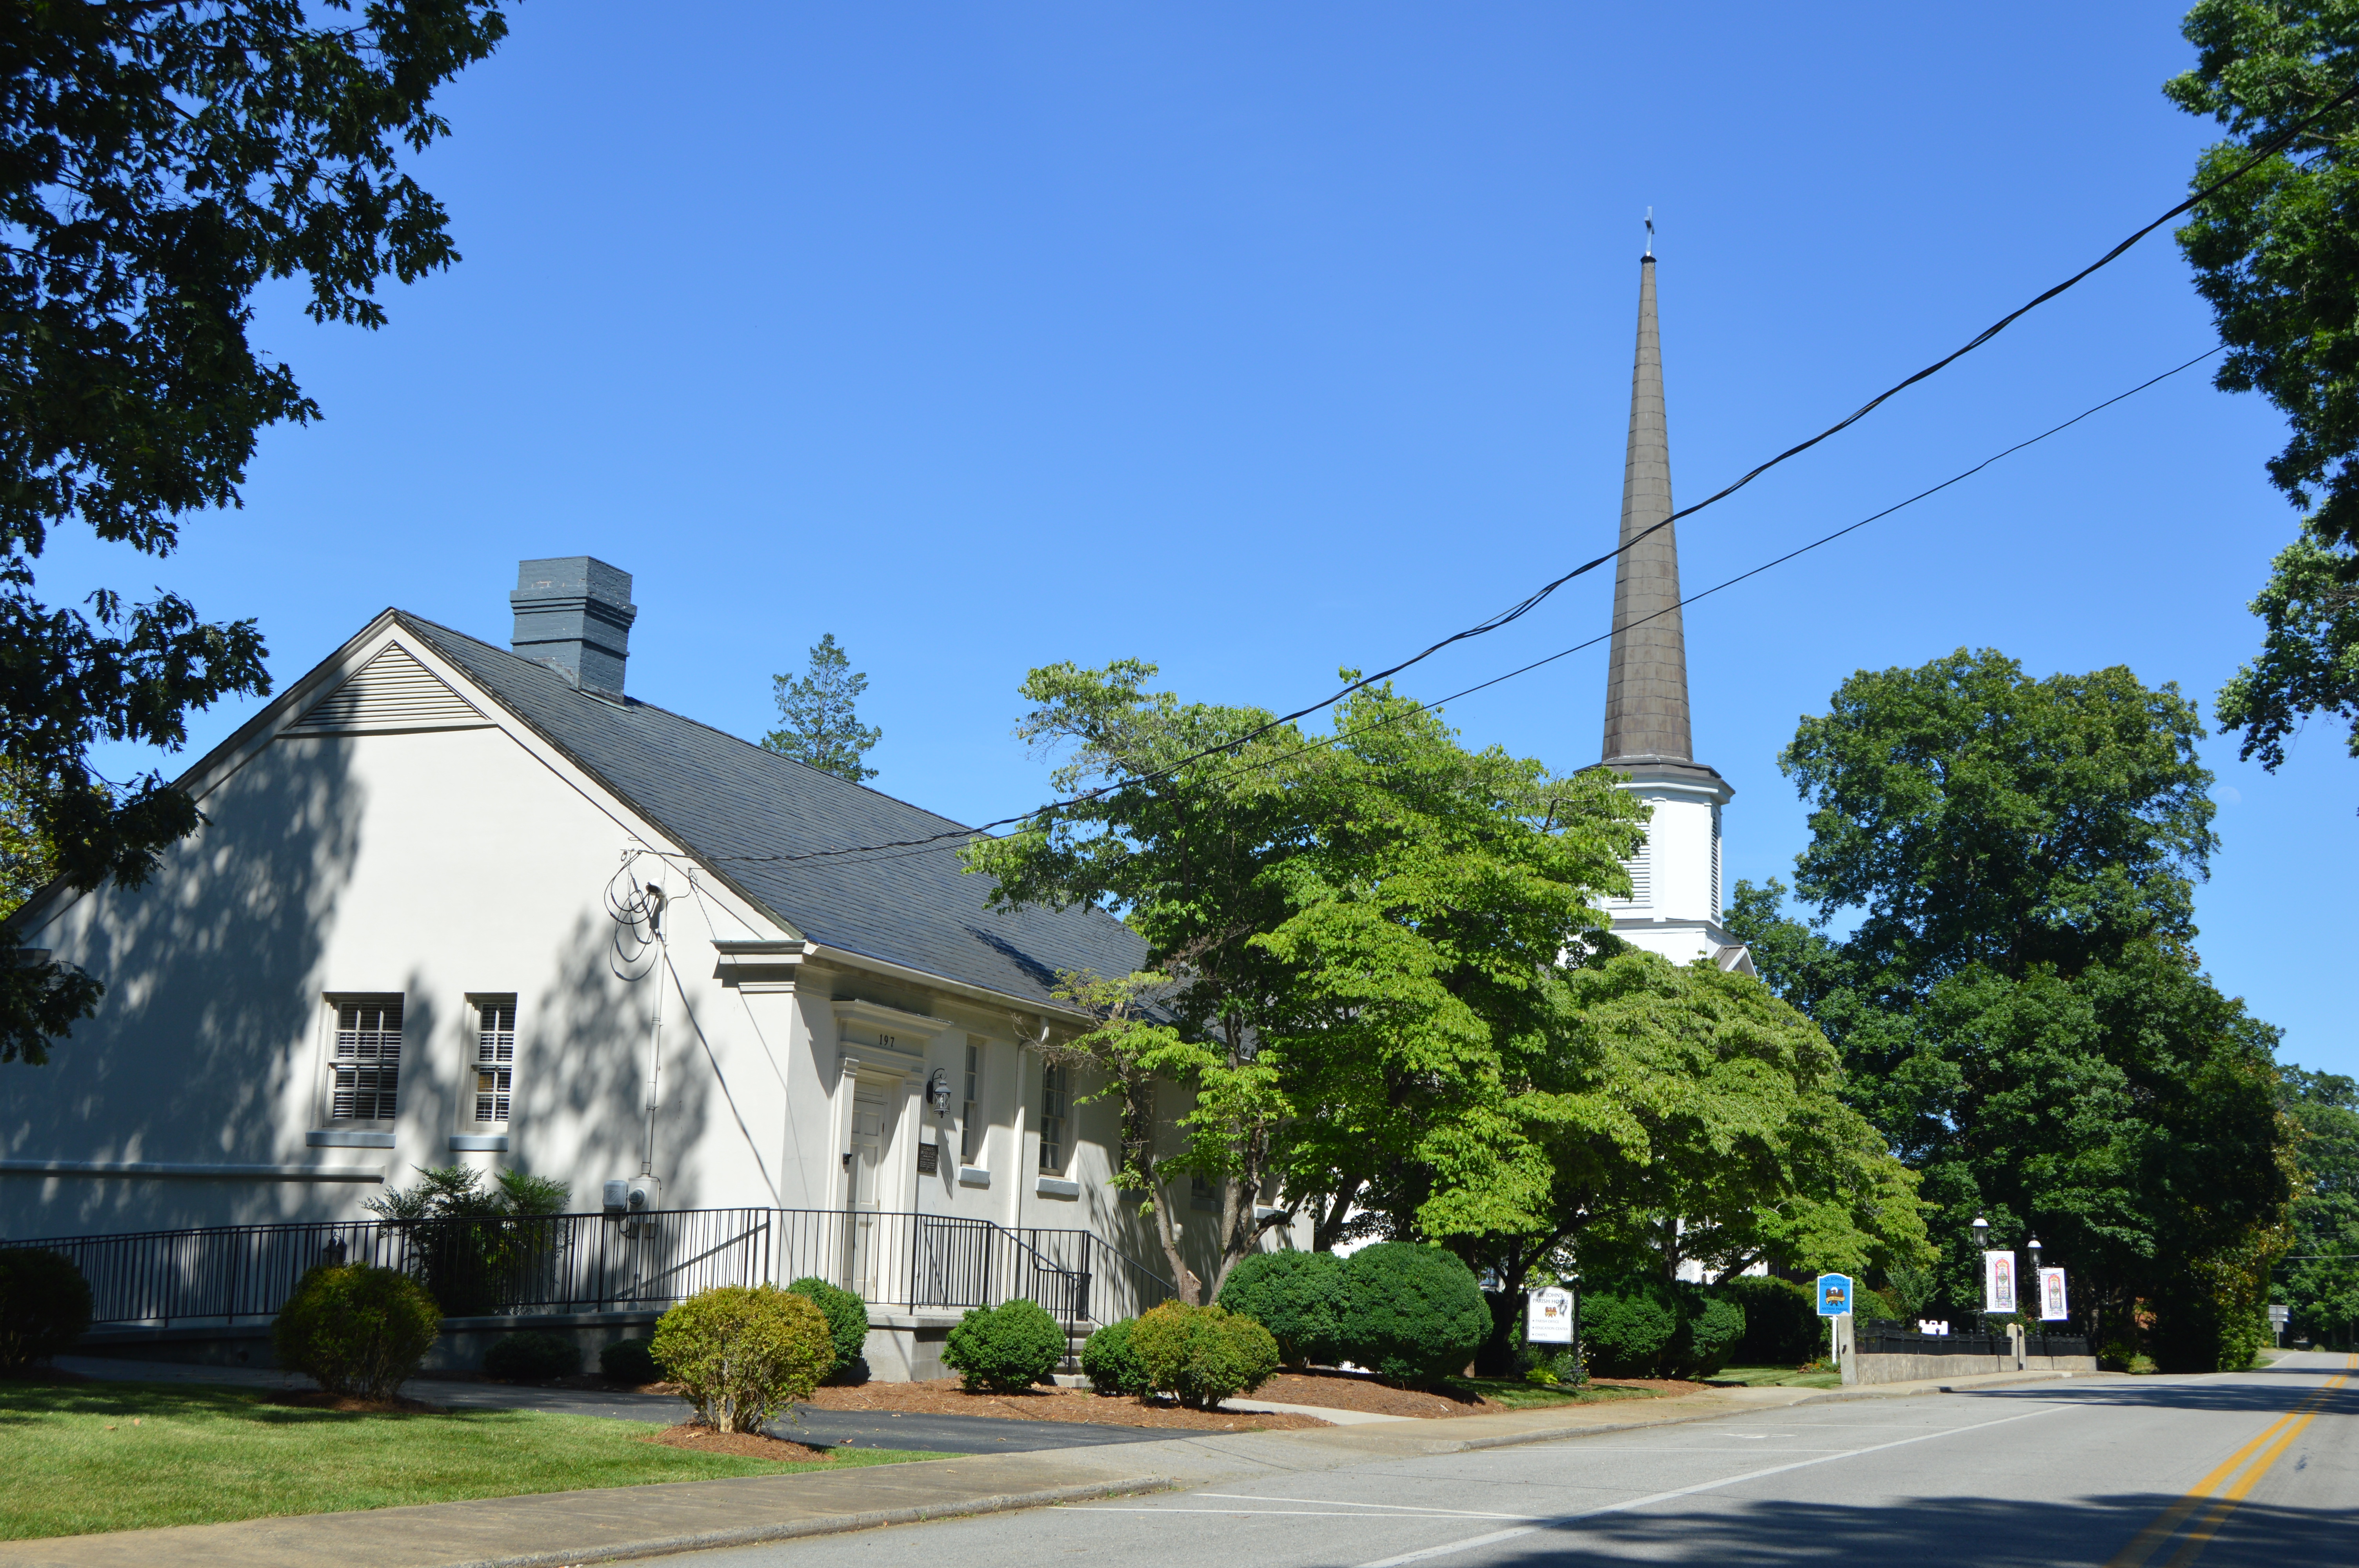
1551	1318
2051	1296
1998	1281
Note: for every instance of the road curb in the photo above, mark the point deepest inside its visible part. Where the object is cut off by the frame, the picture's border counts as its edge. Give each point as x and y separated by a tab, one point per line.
835	1524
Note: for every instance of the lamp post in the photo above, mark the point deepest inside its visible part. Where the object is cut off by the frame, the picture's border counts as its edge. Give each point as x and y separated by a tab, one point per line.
2039	1315
1981	1245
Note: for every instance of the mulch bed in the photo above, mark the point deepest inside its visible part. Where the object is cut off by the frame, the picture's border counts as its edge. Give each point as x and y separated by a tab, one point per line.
1358	1391
743	1444
943	1396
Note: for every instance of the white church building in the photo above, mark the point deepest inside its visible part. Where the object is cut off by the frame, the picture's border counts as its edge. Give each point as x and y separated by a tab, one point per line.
455	902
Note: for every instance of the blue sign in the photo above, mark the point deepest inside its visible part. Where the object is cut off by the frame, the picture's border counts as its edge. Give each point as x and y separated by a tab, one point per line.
1834	1295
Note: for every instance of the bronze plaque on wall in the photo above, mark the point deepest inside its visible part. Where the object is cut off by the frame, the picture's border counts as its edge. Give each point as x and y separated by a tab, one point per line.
929	1159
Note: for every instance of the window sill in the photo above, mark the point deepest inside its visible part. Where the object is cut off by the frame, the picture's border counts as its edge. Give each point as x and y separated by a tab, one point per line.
338	1139
479	1142
1057	1187
973	1176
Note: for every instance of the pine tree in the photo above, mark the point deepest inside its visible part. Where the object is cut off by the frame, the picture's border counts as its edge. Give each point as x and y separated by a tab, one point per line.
819	722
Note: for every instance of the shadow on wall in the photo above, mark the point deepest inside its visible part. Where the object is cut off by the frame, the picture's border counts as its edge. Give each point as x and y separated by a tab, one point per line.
205	1044
583	1117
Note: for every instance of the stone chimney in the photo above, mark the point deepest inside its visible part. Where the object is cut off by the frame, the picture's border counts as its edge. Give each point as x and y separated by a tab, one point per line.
574	614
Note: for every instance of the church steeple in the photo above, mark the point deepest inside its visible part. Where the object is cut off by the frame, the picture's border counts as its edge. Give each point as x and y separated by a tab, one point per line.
1674	904
1646	670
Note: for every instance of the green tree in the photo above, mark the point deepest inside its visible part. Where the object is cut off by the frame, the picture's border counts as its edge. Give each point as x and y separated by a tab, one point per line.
819	722
2276	254
1345	930
1686	1113
2019	1007
2309	651
164	159
2320	1279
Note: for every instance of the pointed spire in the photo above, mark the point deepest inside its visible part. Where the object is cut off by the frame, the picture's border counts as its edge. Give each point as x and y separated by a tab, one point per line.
1647	672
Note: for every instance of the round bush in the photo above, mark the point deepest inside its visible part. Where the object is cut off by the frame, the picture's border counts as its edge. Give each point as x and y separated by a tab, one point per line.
44	1305
1708	1333
1411	1314
1111	1362
1005	1348
847	1322
532	1356
1203	1354
628	1361
1298	1296
356	1330
1627	1330
741	1353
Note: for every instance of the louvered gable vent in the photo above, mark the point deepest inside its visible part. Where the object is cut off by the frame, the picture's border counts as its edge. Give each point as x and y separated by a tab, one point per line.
392	691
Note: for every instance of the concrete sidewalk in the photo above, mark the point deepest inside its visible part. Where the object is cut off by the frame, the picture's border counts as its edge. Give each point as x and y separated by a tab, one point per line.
551	1528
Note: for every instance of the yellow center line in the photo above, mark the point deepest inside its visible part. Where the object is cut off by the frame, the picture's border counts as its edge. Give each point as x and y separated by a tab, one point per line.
2284	1430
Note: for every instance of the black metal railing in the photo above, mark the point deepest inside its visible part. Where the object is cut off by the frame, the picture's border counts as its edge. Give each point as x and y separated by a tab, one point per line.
2055	1344
588	1262
1874	1341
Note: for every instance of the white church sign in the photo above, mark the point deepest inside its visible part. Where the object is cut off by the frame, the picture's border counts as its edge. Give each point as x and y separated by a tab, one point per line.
1551	1318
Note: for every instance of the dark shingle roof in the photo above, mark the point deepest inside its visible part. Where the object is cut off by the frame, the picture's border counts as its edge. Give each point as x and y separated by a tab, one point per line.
726	798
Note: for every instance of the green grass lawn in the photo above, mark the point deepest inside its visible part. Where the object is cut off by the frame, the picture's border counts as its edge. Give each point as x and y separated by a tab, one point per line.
1516	1394
1778	1377
82	1457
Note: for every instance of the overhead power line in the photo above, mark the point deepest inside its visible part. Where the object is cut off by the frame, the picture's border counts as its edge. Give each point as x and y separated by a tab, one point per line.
1523	606
896	850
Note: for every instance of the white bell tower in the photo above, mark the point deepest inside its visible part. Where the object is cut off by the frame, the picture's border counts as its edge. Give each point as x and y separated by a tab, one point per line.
1674	906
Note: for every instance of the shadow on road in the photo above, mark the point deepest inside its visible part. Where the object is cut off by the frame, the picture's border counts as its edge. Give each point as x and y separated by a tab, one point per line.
2192	1394
1926	1533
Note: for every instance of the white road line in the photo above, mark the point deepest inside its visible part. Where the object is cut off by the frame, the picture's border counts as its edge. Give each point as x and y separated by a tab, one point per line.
1338	1503
1277	1513
1471	1543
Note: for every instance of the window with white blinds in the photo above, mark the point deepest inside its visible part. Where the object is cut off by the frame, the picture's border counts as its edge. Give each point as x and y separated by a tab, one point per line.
495	1018
1053	1094
971	1115
366	1061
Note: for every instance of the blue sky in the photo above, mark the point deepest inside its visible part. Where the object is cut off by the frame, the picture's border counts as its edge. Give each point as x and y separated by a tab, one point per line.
1261	341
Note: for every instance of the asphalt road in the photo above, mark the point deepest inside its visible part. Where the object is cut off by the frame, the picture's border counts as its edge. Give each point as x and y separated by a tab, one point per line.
2257	1468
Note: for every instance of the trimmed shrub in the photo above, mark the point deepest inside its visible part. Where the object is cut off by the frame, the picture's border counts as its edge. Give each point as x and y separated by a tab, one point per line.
1411	1314
1627	1330
1709	1327
847	1325
1298	1296
628	1361
356	1330
1203	1354
1781	1322
1112	1363
532	1356
1007	1348
44	1305
740	1353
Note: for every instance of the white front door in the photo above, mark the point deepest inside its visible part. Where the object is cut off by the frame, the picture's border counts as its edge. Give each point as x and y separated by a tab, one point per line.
863	1242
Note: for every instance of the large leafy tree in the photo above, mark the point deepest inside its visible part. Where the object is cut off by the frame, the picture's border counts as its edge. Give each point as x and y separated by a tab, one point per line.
2320	1279
1350	933
2276	254
2018	1006
819	715
1689	1114
160	160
